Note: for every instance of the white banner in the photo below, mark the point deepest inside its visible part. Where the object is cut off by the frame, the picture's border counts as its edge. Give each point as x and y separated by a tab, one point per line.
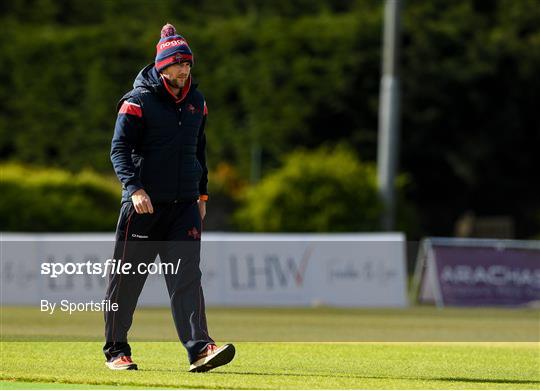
355	270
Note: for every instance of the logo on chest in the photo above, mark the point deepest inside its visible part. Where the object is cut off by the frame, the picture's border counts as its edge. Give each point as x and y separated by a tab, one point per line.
192	109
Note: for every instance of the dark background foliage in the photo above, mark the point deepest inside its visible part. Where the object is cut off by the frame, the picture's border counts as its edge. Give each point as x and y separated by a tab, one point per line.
283	75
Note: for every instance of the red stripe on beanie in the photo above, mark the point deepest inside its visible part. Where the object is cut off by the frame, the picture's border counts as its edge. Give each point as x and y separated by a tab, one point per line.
170	43
178	57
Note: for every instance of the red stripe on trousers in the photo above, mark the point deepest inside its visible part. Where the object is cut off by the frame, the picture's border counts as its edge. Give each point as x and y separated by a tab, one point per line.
120	278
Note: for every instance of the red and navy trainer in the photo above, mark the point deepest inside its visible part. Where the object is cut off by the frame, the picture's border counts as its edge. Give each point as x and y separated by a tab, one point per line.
122	363
213	357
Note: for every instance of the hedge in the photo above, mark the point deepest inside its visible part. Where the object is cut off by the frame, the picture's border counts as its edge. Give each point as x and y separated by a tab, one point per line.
53	200
326	190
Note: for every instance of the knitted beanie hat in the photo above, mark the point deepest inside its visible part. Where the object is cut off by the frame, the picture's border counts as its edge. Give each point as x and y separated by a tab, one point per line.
171	48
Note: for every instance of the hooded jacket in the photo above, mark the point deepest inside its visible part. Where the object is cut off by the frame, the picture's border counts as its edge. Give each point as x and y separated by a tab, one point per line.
159	142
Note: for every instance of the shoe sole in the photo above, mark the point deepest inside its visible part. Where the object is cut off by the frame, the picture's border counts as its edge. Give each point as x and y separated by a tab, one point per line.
130	367
225	356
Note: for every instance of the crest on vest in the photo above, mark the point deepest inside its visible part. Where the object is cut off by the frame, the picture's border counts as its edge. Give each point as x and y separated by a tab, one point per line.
192	109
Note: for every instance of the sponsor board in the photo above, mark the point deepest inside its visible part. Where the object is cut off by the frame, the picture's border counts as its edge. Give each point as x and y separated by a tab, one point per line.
356	270
478	272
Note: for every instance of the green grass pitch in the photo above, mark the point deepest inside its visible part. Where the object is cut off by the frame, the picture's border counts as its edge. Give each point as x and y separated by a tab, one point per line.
319	348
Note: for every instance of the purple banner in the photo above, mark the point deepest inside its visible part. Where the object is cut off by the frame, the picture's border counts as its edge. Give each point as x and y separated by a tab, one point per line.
487	276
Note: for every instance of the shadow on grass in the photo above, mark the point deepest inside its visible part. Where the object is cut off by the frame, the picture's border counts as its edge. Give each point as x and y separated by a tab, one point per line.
106	385
445	379
472	380
192	386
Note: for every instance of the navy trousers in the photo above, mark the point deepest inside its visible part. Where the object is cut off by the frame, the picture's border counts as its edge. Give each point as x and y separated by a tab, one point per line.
173	232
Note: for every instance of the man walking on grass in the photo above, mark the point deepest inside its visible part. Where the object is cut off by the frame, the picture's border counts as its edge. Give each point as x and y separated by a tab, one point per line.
158	153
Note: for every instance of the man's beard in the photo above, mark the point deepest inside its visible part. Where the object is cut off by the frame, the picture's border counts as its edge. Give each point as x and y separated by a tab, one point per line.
177	82
180	82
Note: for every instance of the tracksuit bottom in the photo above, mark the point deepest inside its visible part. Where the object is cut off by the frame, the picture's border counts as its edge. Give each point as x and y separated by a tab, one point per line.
173	232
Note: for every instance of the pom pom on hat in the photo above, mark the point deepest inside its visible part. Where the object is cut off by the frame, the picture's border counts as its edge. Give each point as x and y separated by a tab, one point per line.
168	31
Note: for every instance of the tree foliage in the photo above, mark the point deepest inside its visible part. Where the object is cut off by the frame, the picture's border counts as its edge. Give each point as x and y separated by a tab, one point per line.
53	200
326	190
295	74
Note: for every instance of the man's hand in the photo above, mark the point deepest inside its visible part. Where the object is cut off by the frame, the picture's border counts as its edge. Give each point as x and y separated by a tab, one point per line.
141	202
202	208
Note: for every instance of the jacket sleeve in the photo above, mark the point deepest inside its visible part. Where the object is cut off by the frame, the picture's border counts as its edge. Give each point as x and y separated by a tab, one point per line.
201	157
127	132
